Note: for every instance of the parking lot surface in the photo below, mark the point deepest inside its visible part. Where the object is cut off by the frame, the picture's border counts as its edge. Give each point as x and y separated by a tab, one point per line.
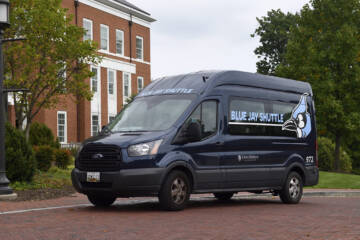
204	218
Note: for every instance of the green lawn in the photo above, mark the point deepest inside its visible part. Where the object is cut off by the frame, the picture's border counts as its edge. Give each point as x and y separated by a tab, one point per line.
338	180
54	178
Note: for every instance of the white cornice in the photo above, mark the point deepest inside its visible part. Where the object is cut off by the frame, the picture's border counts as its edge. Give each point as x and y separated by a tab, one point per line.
118	65
123	56
120	10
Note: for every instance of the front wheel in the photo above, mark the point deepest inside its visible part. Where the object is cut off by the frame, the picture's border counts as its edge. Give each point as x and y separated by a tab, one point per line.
293	189
175	192
101	200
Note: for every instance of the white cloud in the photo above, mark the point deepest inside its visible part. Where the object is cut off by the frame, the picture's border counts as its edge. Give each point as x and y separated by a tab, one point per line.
193	35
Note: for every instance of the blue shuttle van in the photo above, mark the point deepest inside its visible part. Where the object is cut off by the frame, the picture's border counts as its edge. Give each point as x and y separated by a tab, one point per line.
207	132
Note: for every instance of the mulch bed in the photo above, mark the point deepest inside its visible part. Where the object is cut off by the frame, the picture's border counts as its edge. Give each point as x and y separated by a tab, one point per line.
42	194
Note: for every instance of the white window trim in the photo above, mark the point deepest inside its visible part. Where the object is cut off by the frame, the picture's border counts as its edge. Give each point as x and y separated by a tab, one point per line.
98	79
114	82
142	80
123	83
91	30
65	127
110	115
91	122
123	43
107	27
142	48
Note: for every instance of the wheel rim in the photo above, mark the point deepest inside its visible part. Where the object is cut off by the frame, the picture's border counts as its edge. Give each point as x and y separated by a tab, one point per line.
178	191
294	187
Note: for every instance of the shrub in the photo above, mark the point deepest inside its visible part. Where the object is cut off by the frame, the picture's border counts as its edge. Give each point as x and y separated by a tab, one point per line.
327	156
356	171
62	158
41	135
44	156
345	162
73	151
20	160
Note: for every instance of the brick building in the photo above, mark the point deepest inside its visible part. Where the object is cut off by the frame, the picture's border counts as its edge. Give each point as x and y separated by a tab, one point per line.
122	32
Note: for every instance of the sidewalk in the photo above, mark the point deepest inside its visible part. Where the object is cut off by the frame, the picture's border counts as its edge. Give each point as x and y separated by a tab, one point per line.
80	200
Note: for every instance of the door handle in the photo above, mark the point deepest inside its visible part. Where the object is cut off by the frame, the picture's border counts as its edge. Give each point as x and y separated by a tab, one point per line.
219	143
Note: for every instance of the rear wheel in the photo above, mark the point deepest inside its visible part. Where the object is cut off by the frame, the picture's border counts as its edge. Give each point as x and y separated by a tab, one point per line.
175	192
101	200
293	189
224	196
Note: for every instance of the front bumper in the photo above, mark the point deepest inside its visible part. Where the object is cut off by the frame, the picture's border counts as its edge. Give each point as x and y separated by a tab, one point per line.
123	183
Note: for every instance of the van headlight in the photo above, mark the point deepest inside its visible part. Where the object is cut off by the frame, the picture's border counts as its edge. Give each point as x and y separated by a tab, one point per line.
143	149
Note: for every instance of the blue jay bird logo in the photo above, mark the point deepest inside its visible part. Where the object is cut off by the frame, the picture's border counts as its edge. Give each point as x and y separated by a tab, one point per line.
300	121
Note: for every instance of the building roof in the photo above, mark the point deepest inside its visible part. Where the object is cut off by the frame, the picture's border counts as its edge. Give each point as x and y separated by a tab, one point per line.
126	3
128	8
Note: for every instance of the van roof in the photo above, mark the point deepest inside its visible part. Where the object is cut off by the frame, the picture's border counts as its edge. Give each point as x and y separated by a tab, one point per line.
205	81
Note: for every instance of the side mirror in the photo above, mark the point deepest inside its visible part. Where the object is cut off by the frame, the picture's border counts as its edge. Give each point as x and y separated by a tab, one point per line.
188	133
193	132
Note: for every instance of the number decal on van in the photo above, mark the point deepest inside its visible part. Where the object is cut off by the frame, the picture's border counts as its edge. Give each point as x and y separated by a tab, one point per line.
309	159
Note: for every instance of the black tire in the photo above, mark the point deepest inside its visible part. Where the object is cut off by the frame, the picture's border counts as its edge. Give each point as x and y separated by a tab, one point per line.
175	191
224	196
101	200
293	189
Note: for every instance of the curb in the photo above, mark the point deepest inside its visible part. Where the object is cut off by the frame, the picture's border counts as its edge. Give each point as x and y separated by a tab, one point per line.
332	194
8	197
347	193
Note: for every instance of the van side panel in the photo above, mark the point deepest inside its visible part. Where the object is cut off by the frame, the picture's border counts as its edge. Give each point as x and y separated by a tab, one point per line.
264	160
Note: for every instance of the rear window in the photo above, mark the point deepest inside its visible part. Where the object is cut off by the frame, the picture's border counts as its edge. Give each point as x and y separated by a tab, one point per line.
259	118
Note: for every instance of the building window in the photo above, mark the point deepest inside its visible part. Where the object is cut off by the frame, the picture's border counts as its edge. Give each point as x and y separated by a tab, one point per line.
88	26
61	127
94	125
94	80
119	42
140	83
139	48
111	80
104	37
126	86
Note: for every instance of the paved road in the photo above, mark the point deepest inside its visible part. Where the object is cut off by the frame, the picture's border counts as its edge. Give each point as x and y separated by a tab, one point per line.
205	218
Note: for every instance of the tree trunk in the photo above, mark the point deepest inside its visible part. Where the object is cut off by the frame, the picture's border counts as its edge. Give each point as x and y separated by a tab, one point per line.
337	152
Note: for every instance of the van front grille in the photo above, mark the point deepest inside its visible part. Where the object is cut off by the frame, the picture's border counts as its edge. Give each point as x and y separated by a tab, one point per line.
100	158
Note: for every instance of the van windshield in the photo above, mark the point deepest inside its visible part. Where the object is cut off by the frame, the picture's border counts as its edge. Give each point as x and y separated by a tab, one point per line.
154	113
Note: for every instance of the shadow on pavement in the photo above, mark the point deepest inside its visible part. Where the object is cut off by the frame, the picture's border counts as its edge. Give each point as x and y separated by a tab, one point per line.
152	205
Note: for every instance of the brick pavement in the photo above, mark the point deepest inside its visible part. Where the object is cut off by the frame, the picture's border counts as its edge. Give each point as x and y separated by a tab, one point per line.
205	218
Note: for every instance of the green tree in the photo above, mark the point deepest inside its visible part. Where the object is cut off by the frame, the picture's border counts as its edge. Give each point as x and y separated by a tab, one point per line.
274	32
51	62
324	50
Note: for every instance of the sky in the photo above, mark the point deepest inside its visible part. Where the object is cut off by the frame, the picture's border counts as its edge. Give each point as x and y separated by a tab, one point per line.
194	35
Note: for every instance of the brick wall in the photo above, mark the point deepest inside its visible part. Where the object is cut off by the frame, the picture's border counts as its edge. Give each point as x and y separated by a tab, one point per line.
79	114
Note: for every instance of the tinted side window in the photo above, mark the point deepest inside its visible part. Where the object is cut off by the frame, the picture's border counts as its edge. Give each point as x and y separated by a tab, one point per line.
206	115
258	118
239	111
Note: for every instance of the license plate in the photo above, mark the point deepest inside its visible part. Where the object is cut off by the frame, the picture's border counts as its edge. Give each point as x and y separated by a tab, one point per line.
93	176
